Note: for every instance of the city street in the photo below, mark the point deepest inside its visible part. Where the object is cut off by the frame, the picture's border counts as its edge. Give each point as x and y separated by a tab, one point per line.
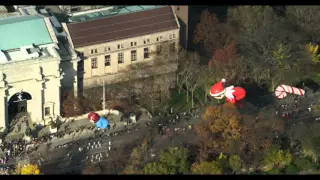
69	159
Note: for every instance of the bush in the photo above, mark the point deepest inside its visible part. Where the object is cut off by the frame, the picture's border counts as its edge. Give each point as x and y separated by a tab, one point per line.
305	164
291	169
28	132
53	125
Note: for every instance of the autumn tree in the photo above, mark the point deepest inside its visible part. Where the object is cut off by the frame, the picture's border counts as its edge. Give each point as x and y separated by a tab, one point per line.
207	168
91	170
226	63
212	34
134	164
235	163
28	169
219	128
274	157
173	161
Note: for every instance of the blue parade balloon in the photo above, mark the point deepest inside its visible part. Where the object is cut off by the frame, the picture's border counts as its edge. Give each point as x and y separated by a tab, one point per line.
102	123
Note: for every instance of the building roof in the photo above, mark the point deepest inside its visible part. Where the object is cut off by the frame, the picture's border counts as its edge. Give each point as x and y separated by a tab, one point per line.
19	31
122	26
108	11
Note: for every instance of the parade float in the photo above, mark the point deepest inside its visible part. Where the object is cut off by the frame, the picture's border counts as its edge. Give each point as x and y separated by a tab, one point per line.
283	90
99	121
231	93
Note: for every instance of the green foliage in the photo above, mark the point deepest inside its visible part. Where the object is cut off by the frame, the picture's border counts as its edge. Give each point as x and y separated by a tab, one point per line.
291	169
274	157
174	161
28	132
314	51
305	164
280	54
235	163
53	124
207	168
273	171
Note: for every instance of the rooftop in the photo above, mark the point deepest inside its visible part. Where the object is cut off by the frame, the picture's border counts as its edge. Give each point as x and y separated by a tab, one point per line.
124	25
112	11
19	31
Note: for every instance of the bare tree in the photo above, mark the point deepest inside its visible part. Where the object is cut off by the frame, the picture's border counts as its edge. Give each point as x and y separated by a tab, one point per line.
306	18
188	64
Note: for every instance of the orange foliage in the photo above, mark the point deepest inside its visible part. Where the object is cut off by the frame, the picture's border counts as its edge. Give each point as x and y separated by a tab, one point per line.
91	170
220	126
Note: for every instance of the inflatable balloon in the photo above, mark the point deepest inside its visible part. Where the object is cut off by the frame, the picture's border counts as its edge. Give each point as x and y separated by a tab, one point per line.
282	90
232	94
99	121
93	117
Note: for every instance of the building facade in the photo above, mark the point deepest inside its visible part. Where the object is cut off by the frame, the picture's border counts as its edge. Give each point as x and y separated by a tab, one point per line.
108	45
30	69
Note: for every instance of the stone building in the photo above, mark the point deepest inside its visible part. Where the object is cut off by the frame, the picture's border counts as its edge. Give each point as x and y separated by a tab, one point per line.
30	73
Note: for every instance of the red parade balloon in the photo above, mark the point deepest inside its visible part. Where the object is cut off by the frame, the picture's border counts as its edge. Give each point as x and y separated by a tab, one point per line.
93	116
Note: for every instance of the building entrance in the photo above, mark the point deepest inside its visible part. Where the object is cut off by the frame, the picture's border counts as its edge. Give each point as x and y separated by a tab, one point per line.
18	104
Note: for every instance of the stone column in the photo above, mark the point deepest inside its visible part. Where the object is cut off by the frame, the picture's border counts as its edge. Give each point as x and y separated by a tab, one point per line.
3	109
37	98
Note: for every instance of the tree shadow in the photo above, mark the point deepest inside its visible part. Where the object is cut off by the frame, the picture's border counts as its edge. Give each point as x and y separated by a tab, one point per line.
308	85
257	95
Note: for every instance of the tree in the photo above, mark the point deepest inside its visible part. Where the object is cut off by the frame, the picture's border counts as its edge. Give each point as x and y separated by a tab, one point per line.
271	50
173	161
235	163
219	128
71	106
29	169
135	159
188	67
207	78
211	34
91	170
306	19
207	168
274	157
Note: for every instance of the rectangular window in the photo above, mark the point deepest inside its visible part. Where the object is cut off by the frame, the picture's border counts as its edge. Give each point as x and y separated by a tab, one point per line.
173	35
144	41
133	55
107	49
146	53
135	43
107	60
94	63
131	43
157	39
120	58
148	40
170	36
47	111
94	51
118	46
121	46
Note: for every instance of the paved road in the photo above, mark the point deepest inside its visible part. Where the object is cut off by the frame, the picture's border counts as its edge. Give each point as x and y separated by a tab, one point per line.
59	159
57	162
